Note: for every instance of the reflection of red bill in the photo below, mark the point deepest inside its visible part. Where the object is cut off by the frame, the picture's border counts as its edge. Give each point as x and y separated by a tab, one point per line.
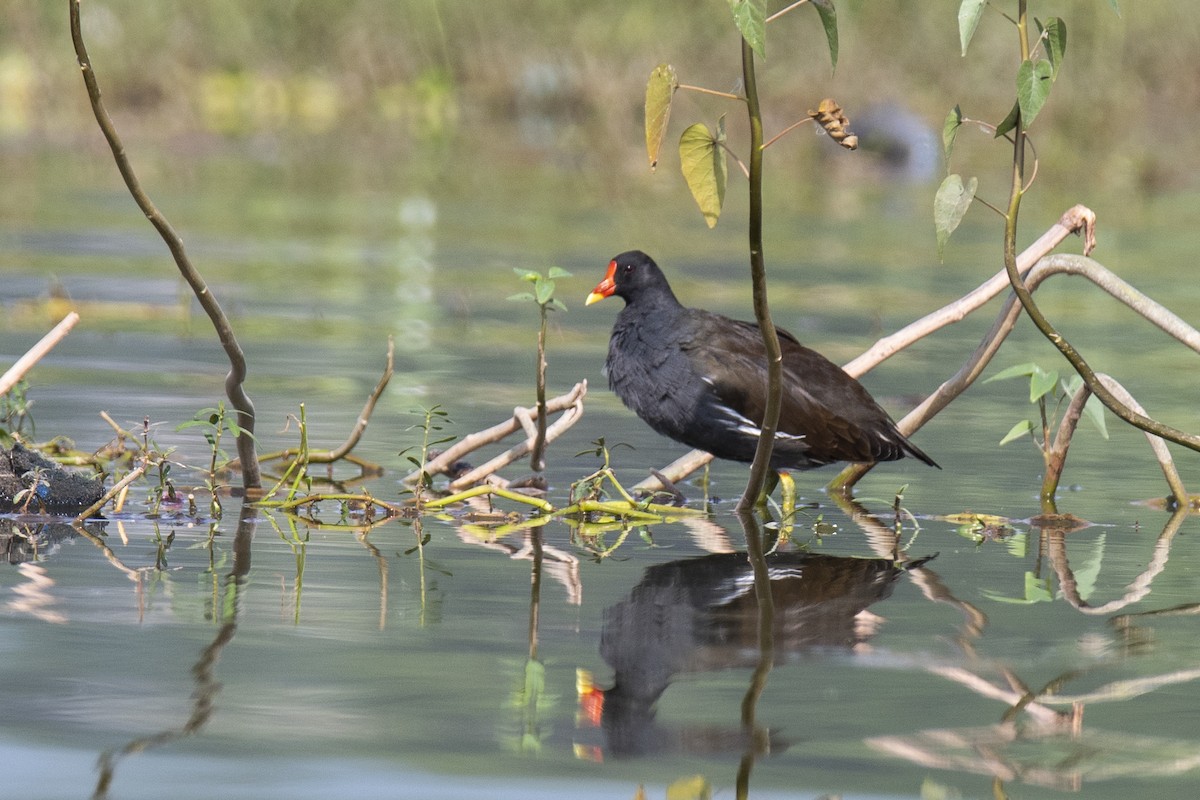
591	699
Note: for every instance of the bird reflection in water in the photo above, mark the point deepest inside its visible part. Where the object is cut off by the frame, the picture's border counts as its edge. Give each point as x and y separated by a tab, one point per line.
700	615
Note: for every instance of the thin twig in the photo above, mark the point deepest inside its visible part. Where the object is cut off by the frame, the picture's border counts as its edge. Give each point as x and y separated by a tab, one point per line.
714	92
474	441
35	353
234	388
133	474
342	452
568	418
783	11
786	130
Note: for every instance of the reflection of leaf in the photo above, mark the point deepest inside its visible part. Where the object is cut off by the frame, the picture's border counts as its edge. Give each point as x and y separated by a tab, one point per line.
950	204
828	15
950	129
659	91
750	16
693	788
703	162
1033	87
1087	573
1037	590
968	20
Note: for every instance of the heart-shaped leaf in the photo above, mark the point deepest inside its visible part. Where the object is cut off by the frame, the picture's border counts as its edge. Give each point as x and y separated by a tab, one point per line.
1055	33
1033	87
750	16
702	159
950	204
969	13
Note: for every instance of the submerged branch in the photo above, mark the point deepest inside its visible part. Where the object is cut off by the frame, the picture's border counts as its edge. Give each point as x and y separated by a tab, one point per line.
251	479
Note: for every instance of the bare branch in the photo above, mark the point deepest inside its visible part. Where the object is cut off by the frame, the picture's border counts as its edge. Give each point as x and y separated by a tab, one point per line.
234	388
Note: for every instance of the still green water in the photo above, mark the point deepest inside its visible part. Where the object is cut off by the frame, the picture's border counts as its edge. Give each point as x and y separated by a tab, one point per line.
278	660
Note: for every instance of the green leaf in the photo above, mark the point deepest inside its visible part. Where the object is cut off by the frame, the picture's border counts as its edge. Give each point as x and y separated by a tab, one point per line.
828	14
969	13
1093	409
950	130
1033	87
750	16
557	272
1055	34
659	91
1115	7
704	169
543	291
950	204
1017	431
1042	383
1009	122
526	274
556	303
1015	371
522	296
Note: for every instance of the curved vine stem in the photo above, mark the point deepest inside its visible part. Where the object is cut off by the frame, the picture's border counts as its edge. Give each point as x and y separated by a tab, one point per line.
251	478
760	467
1047	329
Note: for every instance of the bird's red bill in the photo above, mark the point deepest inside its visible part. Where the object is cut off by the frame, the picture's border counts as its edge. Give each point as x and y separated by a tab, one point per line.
606	287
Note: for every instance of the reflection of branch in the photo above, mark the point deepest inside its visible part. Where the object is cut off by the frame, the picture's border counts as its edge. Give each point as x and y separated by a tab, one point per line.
557	563
112	557
207	686
755	735
1137	589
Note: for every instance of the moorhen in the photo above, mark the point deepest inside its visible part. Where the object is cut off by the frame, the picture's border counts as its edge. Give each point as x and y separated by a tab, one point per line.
700	378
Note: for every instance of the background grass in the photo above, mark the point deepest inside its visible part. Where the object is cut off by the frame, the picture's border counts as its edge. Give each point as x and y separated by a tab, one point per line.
568	75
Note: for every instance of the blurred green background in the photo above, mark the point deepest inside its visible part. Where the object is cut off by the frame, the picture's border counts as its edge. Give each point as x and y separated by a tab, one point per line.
388	75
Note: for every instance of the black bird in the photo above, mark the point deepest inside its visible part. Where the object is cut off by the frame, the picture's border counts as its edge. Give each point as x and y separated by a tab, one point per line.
701	379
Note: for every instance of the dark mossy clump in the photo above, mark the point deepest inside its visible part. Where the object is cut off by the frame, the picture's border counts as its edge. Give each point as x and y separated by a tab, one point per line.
55	490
